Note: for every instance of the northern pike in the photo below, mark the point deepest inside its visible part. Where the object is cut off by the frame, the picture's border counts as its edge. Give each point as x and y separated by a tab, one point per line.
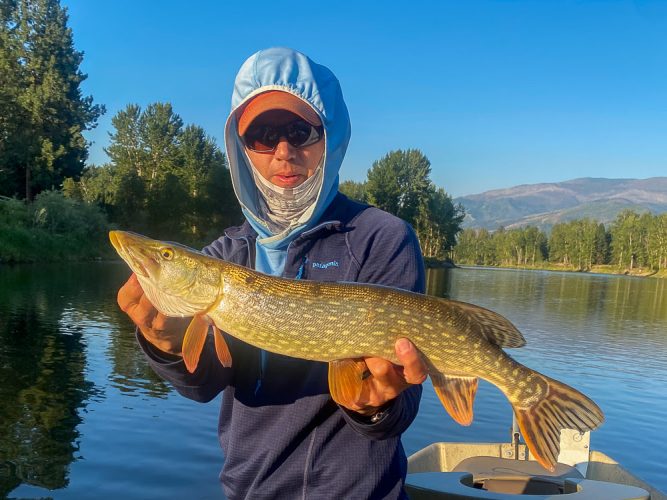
337	322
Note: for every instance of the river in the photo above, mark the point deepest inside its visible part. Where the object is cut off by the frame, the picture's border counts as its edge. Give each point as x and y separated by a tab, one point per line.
81	415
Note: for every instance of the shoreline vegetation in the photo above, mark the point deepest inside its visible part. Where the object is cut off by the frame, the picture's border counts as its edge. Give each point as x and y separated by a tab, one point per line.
597	269
170	180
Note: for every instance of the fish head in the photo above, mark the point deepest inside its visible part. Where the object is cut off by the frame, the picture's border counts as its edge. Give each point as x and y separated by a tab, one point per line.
176	279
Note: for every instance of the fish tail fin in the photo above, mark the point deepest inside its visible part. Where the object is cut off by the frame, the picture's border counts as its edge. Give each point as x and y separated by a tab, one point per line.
562	407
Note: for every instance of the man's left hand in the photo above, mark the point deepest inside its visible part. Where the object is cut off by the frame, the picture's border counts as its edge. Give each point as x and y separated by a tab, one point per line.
387	380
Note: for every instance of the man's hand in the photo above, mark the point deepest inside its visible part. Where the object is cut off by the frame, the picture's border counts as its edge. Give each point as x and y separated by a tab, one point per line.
387	380
163	332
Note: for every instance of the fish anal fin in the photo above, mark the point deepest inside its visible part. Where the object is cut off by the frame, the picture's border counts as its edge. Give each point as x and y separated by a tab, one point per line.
193	342
346	377
221	348
457	395
561	407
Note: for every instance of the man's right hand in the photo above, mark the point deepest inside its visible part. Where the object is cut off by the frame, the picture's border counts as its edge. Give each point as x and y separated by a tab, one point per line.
163	332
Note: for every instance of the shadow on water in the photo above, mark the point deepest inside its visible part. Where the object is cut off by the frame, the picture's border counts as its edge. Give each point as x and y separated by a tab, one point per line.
45	314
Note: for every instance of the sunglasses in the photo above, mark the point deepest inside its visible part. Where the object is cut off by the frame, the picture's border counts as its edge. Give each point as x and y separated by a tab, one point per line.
265	138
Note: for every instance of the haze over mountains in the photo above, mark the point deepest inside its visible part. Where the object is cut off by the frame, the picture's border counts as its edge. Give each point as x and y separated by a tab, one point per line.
544	205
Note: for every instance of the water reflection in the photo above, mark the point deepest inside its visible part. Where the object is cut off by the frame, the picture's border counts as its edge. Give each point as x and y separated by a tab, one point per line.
48	318
79	407
605	335
43	384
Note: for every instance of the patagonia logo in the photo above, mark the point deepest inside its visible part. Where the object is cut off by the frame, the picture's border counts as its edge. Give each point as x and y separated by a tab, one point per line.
325	265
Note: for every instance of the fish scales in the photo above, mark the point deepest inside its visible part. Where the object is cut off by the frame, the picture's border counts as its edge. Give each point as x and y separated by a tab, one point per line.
333	322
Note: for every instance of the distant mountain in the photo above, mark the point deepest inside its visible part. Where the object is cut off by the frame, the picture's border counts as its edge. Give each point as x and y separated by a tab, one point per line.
544	205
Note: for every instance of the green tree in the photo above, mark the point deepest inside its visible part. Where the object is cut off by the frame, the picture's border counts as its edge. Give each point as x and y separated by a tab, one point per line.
438	223
475	246
165	179
42	98
354	190
626	238
399	183
602	240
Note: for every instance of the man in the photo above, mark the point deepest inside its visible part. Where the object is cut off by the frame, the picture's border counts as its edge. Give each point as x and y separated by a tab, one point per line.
282	435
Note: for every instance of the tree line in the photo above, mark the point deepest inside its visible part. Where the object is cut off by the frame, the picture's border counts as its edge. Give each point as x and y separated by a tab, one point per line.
631	241
164	177
400	183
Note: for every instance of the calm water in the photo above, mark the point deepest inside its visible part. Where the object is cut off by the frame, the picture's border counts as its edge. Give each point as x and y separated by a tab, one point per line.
82	416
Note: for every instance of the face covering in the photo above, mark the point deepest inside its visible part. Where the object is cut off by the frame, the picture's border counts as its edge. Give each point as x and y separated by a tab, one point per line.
282	208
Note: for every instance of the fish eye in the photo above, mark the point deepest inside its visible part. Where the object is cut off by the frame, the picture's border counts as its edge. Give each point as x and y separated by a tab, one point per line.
167	253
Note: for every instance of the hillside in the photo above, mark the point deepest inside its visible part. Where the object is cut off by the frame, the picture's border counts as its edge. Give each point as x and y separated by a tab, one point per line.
544	205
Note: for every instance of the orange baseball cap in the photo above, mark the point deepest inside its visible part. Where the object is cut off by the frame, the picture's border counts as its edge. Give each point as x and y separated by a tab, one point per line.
276	99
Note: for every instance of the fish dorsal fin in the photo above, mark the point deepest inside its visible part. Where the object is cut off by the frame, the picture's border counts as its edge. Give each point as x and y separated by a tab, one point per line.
457	395
495	328
193	342
221	348
346	377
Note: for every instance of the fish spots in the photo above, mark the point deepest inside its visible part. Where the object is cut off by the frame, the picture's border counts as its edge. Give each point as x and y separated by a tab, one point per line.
249	280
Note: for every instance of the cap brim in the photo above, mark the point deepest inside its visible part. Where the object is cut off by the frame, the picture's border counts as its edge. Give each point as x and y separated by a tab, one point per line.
275	100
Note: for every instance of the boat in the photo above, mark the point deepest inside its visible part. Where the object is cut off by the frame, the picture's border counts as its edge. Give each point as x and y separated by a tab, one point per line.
508	471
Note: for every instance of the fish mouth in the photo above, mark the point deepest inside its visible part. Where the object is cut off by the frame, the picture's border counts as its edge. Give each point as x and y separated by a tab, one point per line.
132	248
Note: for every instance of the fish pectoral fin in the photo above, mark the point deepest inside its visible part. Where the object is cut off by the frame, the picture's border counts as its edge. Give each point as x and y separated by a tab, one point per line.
193	342
457	395
346	377
221	348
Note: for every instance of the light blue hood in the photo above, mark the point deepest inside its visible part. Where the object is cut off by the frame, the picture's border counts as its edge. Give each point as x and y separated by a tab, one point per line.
290	71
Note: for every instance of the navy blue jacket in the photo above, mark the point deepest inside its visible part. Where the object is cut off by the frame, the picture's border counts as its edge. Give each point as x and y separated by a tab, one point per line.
282	434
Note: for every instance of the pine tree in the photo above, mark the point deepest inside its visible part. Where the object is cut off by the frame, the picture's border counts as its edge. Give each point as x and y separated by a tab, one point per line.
42	97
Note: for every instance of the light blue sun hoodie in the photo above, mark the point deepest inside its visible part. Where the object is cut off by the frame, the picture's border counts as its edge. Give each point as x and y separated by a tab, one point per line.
290	71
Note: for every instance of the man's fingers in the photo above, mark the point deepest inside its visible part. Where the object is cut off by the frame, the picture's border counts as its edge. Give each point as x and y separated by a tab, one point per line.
385	374
130	293
415	370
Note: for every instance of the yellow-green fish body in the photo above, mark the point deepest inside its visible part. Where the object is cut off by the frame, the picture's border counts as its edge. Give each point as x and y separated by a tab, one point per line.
334	322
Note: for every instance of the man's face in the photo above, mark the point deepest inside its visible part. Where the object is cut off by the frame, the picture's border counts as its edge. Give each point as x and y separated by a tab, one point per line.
286	166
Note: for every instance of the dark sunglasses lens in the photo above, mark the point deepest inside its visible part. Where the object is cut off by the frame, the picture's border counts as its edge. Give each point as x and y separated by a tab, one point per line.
261	138
264	138
300	134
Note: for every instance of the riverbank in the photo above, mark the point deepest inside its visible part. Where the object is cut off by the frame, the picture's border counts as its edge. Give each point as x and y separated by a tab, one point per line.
598	269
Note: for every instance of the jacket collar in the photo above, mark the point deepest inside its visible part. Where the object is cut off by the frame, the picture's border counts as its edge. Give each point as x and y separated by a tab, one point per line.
335	219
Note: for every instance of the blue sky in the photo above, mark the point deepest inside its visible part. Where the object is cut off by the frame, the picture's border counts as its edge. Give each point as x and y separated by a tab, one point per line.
495	94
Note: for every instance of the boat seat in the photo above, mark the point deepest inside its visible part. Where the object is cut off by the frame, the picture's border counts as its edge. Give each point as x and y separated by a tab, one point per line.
506	479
